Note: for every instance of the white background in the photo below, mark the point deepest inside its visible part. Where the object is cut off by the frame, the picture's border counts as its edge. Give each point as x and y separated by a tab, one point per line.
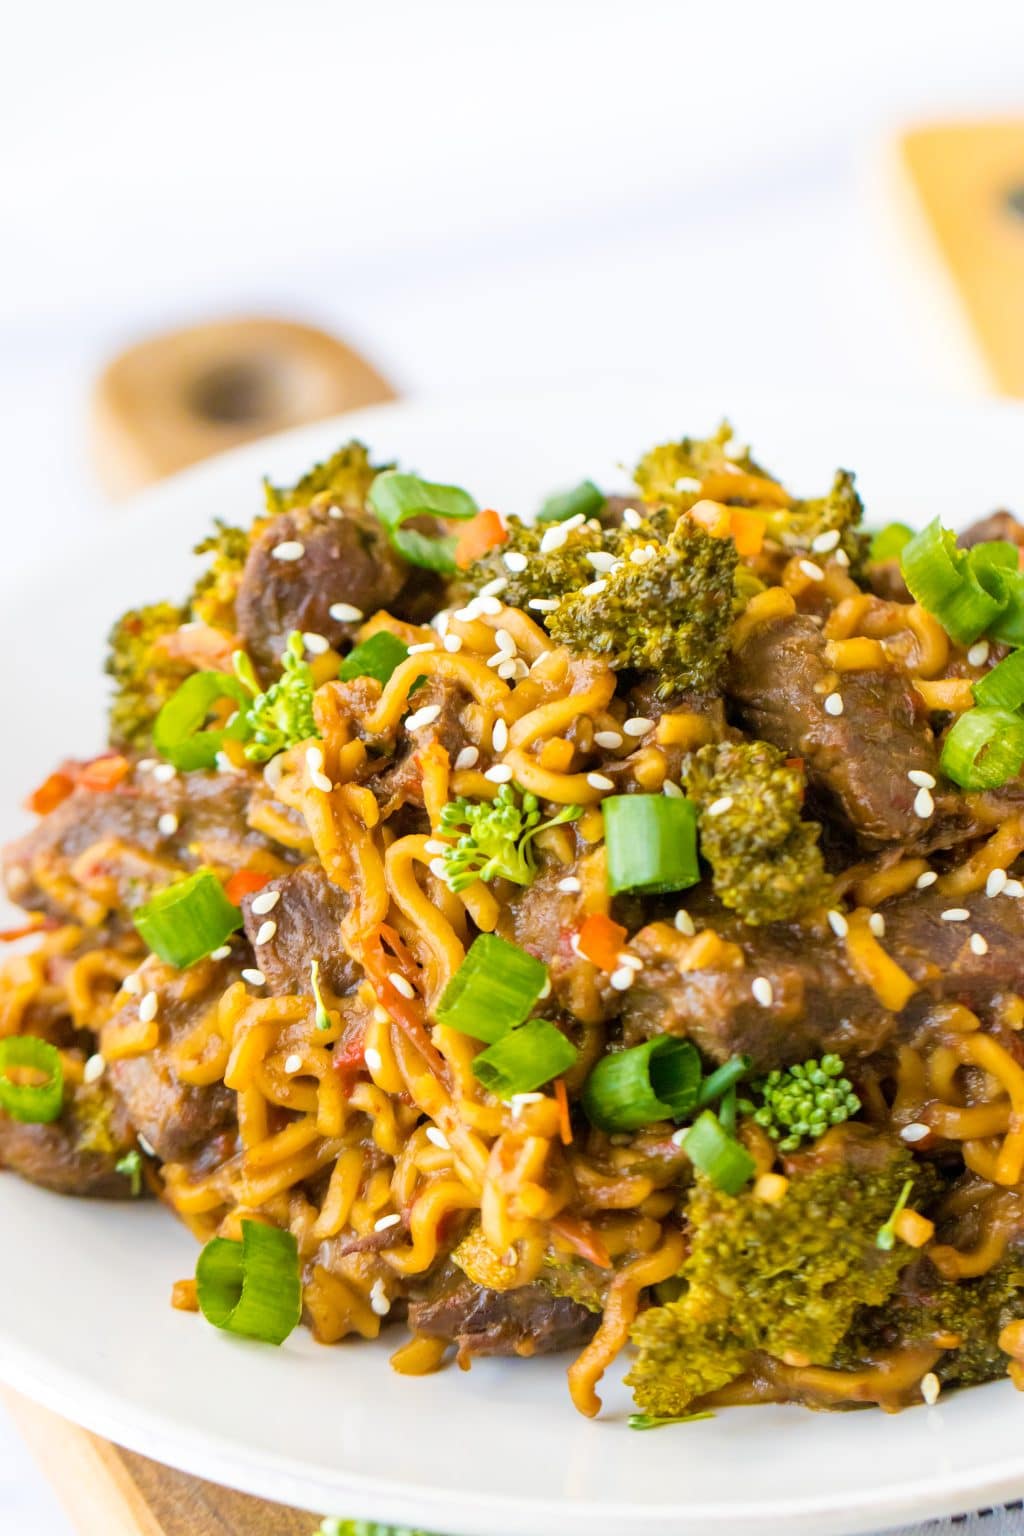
479	195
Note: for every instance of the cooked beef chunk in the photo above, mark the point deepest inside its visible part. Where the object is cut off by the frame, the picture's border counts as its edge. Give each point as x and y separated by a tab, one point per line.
610	515
998	525
526	1321
308	915
173	1116
346	558
885	578
76	1154
856	761
544	921
401	783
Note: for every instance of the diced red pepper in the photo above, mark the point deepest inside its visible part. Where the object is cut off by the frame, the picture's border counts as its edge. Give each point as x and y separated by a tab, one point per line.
50	794
103	773
581	1236
483	532
564	1119
600	941
244	882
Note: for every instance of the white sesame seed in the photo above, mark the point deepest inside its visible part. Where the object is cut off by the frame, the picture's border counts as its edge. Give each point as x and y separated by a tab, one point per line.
641	556
501	773
400	984
221	952
594	588
167	824
132	984
684	923
672	790
289	549
553	538
438	868
321	781
488	605
978	654
570	885
453	643
764	992
508	669
637	725
876	922
315	644
265	902
146	1146
688	483
266	932
497	660
622	978
373	1058
504	641
437	1138
292	1063
381	1015
600	781
915	1131
499	736
225	765
337	513
678	1137
273	772
520	669
254	977
421	717
924	804
601	561
631	962
518	1102
515	561
825	542
979	944
955	915
380	1306
811	571
468	757
841	557
94	1069
469	612
164	773
922	779
315	759
720	806
834	704
608	739
631	517
1013	889
383	1223
543	604
492	588
148	1007
924	881
930	1388
145	764
424	645
837	922
995	882
435	845
345	613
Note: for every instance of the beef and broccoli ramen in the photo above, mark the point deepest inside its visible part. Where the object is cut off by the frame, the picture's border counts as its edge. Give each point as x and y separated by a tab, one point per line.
597	934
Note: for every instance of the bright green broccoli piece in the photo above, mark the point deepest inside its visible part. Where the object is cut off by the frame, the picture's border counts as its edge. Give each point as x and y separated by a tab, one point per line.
130	1167
144	674
557	563
800	1103
497	842
800	526
346	477
213	596
783	1278
673	474
765	860
281	716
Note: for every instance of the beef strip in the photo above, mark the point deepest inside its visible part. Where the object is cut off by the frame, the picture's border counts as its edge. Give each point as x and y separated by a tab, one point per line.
174	1117
346	558
526	1321
544	921
998	525
75	1155
308	915
401	782
856	761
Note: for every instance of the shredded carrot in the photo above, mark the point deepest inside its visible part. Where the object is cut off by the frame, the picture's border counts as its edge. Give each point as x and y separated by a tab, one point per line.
102	773
600	941
37	924
50	794
244	882
564	1122
484	532
582	1238
748	530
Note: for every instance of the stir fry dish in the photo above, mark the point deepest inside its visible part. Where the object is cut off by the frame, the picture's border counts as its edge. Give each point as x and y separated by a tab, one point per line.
598	933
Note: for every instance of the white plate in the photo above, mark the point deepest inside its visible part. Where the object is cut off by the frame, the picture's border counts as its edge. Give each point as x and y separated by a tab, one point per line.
85	1324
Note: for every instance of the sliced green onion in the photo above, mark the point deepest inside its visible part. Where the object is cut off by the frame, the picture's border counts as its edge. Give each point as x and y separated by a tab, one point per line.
188	919
722	1079
377	657
651	1420
946	583
886	1235
1003	687
658	1080
252	1287
994	555
719	1156
492	991
887	543
524	1059
585	498
396	497
33	1103
1009	626
984	748
130	1167
651	843
727	1111
178	733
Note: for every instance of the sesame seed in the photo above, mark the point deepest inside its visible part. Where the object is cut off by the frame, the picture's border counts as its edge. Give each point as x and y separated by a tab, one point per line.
764	992
608	739
924	804
930	1388
631	517
570	885
1013	889
345	613
842	558
543	604
383	1223
488	605
167	824
221	953
132	984
499	736
266	932
315	644
955	915
381	1015
437	1138
631	962
622	978
720	806
145	764
684	923
469	612
552	539
641	556
164	773
497	660
600	781
520	669
148	1007
637	725
453	643
380	1306
837	922
924	881
146	1146
811	571
400	984
424	645
373	1058
225	765
273	772
594	588
601	561
915	1131
290	549
292	1063
265	902
825	542
254	977
922	779
876	922
468	757
321	781
834	704
508	669
315	759
337	513
94	1069
492	588
672	790
421	717
435	845
688	483
518	1102
504	641
995	882
978	654
678	1137
979	944
501	773
438	868
515	561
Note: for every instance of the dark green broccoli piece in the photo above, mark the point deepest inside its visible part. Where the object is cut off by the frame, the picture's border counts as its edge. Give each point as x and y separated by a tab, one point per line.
551	572
281	716
663	608
673	474
213	596
346	477
144	675
801	1103
765	860
784	1278
799	526
496	840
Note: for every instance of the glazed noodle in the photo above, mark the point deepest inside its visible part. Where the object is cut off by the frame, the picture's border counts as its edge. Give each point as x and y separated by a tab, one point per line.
610	941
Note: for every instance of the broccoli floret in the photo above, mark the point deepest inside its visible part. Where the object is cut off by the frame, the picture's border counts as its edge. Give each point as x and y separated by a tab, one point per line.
498	839
765	860
674	474
144	675
797	527
213	596
549	573
283	715
346	477
784	1278
801	1103
667	612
